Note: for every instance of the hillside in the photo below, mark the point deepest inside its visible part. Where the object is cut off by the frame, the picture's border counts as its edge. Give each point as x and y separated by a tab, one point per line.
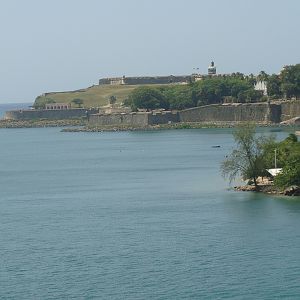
94	96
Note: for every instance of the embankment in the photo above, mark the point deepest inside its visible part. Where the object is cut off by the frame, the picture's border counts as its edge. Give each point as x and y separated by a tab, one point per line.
49	114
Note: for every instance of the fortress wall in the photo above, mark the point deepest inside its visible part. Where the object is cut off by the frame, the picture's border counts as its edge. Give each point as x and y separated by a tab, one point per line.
49	114
217	112
155	80
132	119
163	118
275	113
290	109
145	80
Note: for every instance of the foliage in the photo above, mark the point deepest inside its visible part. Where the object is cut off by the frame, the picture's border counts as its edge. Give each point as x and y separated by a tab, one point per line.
289	160
179	96
246	159
40	102
78	102
249	96
148	98
210	90
273	86
286	84
290	81
112	99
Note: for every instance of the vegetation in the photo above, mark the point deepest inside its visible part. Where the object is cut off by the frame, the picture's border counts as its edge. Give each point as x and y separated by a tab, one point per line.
78	102
246	159
289	160
286	84
254	155
40	102
95	96
148	98
112	100
210	90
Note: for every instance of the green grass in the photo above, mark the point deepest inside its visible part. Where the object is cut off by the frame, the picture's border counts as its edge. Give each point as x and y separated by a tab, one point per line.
94	96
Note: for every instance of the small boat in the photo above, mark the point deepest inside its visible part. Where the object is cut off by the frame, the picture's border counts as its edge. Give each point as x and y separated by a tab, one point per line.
216	146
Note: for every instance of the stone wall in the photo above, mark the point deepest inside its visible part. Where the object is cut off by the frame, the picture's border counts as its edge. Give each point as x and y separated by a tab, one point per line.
258	112
290	109
50	114
226	113
146	80
131	119
138	119
163	117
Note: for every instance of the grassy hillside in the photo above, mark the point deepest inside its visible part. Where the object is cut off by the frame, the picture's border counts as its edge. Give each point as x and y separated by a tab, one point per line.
94	96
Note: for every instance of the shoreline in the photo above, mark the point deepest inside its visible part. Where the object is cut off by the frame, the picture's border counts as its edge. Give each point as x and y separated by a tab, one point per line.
39	123
291	191
172	126
81	125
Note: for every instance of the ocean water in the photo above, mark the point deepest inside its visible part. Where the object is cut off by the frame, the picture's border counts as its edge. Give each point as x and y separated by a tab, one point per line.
12	106
138	215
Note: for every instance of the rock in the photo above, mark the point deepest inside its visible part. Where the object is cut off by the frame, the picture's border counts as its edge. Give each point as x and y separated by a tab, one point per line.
293	190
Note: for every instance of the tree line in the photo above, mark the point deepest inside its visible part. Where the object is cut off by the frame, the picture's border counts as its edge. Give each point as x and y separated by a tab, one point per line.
237	88
253	155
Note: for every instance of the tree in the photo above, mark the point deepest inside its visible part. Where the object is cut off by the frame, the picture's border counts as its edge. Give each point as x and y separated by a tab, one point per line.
289	160
246	159
179	96
40	102
290	81
78	102
112	100
262	76
148	98
273	86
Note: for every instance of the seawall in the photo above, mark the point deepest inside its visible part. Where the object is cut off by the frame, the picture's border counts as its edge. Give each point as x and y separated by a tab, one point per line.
274	112
256	112
260	112
138	119
50	114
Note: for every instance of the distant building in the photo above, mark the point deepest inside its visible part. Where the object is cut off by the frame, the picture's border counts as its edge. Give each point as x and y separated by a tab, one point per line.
145	80
261	86
212	69
58	106
169	79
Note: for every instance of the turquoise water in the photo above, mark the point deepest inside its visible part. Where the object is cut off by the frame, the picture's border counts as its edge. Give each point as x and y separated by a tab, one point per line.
138	215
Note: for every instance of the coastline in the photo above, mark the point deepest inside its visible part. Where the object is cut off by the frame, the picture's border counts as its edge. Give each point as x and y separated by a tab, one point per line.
81	125
270	189
41	123
172	126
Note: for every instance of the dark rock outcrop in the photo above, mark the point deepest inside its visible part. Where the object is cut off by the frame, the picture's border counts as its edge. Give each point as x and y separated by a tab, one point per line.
293	190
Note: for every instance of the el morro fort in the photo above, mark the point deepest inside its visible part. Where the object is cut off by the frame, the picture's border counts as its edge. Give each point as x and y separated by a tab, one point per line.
261	112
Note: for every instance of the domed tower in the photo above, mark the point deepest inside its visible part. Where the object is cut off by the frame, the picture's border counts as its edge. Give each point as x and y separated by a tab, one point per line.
212	69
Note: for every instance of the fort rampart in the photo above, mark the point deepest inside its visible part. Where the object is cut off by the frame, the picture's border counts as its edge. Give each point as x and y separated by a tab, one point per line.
50	114
256	112
260	112
134	118
145	80
274	112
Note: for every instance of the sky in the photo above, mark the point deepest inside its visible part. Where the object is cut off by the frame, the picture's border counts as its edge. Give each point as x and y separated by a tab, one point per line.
61	45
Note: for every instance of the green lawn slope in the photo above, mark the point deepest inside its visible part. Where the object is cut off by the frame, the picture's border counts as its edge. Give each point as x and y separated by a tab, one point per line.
94	96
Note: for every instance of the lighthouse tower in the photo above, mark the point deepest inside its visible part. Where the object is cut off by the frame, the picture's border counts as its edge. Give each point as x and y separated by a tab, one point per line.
212	69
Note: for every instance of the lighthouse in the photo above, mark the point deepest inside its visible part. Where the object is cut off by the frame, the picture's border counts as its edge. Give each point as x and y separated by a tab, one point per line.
212	70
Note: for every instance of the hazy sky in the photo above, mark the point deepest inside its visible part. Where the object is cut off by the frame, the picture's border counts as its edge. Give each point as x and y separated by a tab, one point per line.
69	44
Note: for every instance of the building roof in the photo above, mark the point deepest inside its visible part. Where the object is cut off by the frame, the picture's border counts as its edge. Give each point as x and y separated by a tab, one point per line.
274	172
